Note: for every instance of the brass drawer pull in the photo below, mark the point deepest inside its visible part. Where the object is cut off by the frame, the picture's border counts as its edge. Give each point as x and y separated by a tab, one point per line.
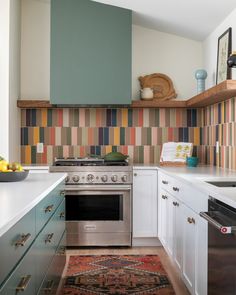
62	193
49	208
191	220
62	215
176	189
164	197
23	283
49	286
61	250
23	239
176	204
49	238
164	181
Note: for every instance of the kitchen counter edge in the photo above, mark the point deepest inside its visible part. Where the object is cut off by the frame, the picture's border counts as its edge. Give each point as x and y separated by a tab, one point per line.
29	193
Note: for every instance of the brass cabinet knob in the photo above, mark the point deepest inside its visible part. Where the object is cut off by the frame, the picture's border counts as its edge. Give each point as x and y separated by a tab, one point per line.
164	197
49	238
176	189
62	215
49	208
191	220
164	181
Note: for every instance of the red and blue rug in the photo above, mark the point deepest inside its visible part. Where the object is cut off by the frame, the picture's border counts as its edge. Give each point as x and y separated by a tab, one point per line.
116	275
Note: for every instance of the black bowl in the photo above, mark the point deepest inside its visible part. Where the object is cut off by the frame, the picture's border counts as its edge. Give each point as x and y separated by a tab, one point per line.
13	176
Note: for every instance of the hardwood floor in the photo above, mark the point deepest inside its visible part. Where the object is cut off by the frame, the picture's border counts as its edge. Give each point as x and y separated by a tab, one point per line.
170	268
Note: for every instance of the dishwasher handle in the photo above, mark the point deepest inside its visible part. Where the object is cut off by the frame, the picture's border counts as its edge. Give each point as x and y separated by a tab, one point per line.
223	229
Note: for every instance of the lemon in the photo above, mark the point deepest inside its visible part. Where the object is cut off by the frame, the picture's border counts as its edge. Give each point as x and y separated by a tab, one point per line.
3	165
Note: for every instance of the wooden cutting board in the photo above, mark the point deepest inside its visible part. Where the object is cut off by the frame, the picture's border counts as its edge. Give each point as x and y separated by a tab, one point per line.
161	84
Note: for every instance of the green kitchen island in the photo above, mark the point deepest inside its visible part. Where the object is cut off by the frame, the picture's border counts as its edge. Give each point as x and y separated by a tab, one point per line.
32	234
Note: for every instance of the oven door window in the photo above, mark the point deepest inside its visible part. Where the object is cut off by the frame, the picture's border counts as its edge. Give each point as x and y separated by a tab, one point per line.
94	207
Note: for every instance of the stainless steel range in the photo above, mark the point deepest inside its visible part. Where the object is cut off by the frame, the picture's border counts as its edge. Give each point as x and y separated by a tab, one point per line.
98	201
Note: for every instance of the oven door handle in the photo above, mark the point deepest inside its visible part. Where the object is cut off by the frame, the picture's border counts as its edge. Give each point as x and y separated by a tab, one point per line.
69	189
223	229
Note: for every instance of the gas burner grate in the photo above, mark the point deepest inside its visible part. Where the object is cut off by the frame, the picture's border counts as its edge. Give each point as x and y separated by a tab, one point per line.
87	162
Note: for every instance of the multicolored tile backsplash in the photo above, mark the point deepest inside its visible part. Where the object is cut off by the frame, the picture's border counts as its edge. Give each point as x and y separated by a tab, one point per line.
220	125
80	132
140	133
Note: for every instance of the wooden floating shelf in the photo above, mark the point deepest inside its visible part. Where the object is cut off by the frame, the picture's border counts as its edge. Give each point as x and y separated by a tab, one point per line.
158	104
31	104
215	94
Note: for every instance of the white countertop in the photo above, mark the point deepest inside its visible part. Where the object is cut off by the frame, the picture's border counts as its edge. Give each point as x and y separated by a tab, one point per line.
36	167
196	177
18	198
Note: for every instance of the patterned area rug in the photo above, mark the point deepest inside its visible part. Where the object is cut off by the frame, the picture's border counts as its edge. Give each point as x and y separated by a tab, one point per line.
114	274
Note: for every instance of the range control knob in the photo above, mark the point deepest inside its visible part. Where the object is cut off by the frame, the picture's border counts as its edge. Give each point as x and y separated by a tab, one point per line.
114	178
124	178
90	177
67	179
104	178
75	178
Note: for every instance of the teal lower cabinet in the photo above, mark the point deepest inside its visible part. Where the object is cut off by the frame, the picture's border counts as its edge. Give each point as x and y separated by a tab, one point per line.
36	267
47	243
22	280
15	242
53	275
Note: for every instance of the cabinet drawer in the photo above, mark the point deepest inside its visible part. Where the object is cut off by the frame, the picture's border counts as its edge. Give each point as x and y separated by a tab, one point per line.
165	181
177	189
15	243
195	199
172	185
47	242
46	208
22	280
53	276
184	192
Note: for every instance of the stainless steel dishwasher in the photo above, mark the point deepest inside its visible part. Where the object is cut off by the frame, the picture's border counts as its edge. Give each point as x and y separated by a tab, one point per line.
221	248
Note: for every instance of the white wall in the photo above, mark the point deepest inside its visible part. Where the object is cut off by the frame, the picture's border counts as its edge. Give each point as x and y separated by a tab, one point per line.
4	77
9	79
158	52
14	82
210	48
35	49
152	52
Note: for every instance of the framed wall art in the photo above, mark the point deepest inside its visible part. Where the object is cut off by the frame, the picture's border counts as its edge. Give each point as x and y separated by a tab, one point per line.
223	72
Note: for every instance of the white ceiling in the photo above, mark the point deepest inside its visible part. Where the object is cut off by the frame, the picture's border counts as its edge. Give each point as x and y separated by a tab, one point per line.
194	19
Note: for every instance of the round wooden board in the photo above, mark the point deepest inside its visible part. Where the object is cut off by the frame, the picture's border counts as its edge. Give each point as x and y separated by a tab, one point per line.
161	84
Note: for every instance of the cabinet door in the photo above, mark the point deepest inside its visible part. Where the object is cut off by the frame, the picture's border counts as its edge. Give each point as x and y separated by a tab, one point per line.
189	246
15	242
162	217
201	257
47	242
145	203
178	234
170	216
22	280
